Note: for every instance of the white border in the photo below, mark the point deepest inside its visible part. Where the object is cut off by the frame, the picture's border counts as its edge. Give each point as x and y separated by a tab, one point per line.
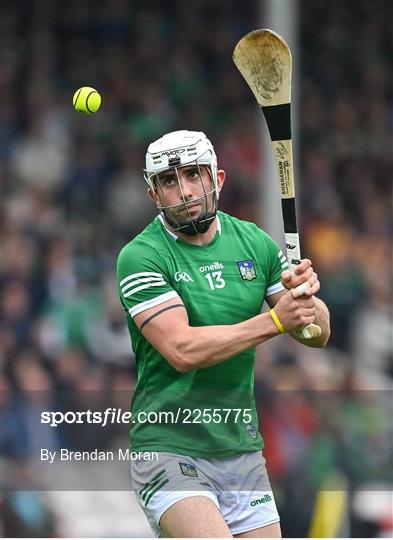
273	289
153	302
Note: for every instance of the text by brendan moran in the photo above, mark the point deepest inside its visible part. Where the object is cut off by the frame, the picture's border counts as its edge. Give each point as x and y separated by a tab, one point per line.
63	454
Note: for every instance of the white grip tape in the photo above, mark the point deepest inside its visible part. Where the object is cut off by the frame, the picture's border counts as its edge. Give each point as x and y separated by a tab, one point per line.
311	331
292	245
300	289
293	252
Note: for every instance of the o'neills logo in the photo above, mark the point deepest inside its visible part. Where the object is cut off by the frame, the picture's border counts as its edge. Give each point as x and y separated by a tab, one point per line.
266	498
210	267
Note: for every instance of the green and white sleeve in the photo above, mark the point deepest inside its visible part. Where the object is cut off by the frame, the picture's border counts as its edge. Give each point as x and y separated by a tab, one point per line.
142	279
278	263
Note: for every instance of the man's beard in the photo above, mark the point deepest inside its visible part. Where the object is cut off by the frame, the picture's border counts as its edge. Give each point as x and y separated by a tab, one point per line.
192	227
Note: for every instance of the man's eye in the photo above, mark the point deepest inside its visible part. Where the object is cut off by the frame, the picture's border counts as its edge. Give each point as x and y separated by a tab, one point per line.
168	181
193	173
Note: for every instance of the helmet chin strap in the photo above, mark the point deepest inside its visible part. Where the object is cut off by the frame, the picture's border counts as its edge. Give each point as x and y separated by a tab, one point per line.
193	227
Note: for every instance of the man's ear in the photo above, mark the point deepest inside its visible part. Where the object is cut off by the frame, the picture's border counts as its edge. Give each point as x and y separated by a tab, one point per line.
153	196
220	179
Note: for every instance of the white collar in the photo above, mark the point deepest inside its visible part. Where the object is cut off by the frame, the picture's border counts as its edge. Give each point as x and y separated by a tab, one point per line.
173	235
218	225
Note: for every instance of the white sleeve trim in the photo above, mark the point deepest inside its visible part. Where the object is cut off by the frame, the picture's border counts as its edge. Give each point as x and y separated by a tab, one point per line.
139	275
145	286
153	302
273	289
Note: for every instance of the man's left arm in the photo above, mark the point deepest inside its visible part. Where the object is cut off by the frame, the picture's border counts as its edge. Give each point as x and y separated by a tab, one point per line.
304	281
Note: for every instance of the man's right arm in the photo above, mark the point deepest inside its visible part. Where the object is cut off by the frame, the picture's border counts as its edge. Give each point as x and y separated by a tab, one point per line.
188	347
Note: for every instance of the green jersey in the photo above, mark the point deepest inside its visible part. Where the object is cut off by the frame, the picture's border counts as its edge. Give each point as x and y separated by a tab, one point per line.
209	412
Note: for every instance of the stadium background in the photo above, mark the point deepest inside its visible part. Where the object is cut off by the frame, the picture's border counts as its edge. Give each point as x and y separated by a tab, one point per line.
73	193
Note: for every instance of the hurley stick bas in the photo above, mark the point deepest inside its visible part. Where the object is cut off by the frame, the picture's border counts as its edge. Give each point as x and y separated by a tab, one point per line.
264	59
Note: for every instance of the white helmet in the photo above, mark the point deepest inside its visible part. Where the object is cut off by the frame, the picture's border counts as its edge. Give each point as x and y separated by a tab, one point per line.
179	149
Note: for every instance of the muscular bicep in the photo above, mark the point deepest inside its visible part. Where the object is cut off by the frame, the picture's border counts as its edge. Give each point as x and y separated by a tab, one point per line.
164	326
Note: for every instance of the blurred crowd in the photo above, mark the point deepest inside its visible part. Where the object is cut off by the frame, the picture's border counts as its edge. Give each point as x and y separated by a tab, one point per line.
73	194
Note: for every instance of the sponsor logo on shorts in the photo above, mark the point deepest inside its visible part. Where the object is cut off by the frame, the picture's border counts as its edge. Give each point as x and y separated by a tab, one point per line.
252	431
188	470
265	499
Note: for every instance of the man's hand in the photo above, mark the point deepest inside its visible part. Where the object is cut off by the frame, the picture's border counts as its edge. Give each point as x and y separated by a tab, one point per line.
302	280
294	313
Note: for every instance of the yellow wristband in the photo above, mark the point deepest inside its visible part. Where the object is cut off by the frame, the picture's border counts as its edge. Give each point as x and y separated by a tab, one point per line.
277	321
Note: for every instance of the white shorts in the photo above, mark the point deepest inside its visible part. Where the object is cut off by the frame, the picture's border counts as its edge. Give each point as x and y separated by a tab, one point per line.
238	486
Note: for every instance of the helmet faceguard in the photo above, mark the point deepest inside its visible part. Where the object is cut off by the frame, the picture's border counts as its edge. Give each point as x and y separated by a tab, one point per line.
172	152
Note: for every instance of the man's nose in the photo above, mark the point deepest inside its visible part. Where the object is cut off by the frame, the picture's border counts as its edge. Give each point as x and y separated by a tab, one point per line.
186	186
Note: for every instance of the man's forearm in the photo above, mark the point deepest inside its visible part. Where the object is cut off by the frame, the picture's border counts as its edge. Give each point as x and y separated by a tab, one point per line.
205	346
322	319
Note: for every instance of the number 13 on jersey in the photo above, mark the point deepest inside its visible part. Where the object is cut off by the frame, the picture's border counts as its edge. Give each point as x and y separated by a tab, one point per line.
215	279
